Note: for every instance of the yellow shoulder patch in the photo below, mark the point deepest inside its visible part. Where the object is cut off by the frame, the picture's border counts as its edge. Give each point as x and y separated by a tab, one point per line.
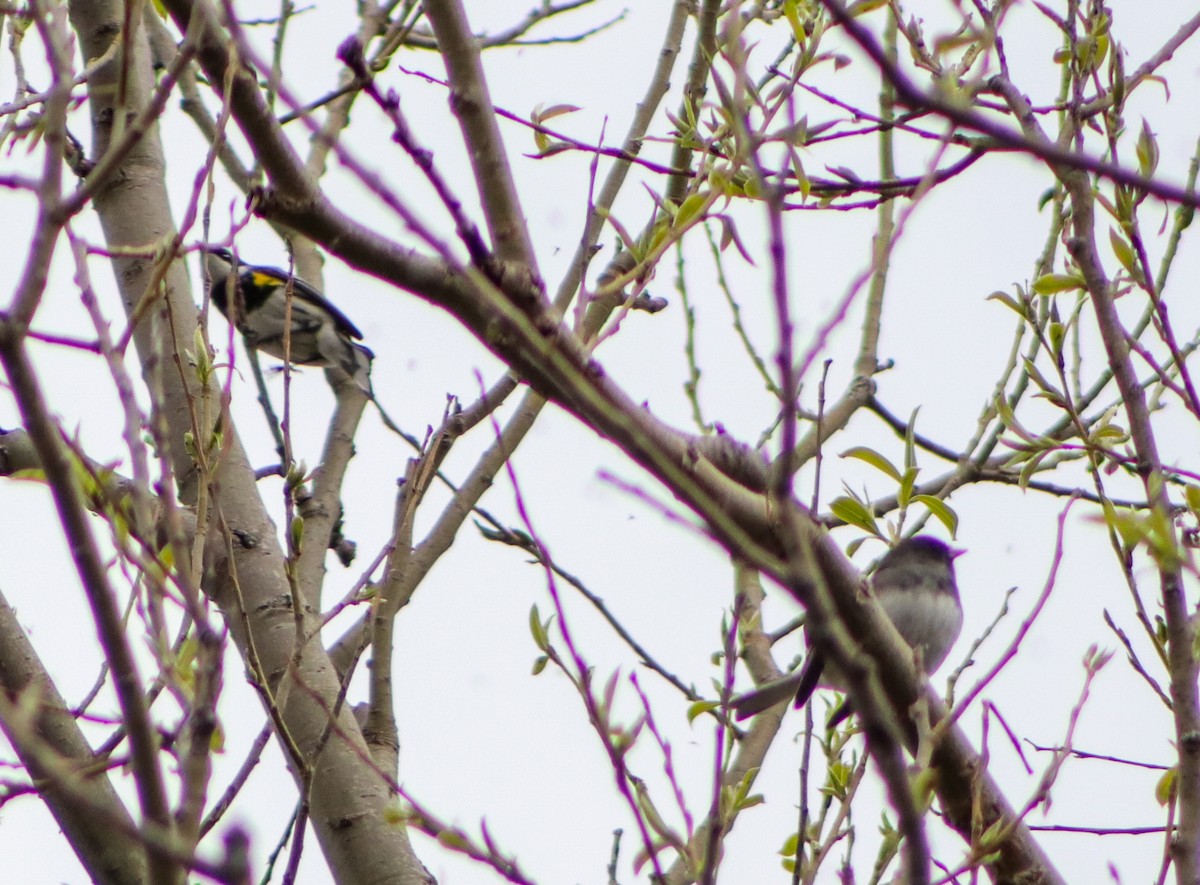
263	279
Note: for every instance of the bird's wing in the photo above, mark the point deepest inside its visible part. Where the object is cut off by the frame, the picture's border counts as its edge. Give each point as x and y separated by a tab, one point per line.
765	696
810	676
799	685
305	291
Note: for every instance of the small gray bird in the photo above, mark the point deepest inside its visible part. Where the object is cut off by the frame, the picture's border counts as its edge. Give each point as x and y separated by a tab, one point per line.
321	335
915	585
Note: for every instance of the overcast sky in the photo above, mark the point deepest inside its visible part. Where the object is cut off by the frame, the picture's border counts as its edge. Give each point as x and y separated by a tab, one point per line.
480	736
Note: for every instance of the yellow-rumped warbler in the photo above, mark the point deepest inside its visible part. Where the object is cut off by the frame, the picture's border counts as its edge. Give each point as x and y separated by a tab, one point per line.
321	335
915	585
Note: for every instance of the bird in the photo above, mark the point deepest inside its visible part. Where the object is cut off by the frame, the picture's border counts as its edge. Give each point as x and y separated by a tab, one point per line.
916	587
321	335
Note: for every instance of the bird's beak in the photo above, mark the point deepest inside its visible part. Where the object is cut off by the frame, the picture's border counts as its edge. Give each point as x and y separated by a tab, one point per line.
956	552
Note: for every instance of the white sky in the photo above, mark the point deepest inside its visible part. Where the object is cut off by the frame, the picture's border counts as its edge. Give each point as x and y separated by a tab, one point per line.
480	737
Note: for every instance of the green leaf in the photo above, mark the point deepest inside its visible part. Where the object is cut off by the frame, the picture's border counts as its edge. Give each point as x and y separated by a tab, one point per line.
1057	333
1011	303
1109	434
872	457
853	546
1124	253
910	440
542	140
1039	379
740	792
550	148
1054	283
1095	659
862	7
653	819
185	663
1184	216
394	814
837	780
1125	203
1191	494
1164	790
216	741
1162	542
610	689
540	664
454	840
199	356
1116	78
1009	417
627	239
923	786
904	493
555	110
749	802
691	209
1147	150
734	799
991	836
791	11
802	179
1029	468
658	236
941	511
1130	528
854	513
699	708
31	474
541	638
